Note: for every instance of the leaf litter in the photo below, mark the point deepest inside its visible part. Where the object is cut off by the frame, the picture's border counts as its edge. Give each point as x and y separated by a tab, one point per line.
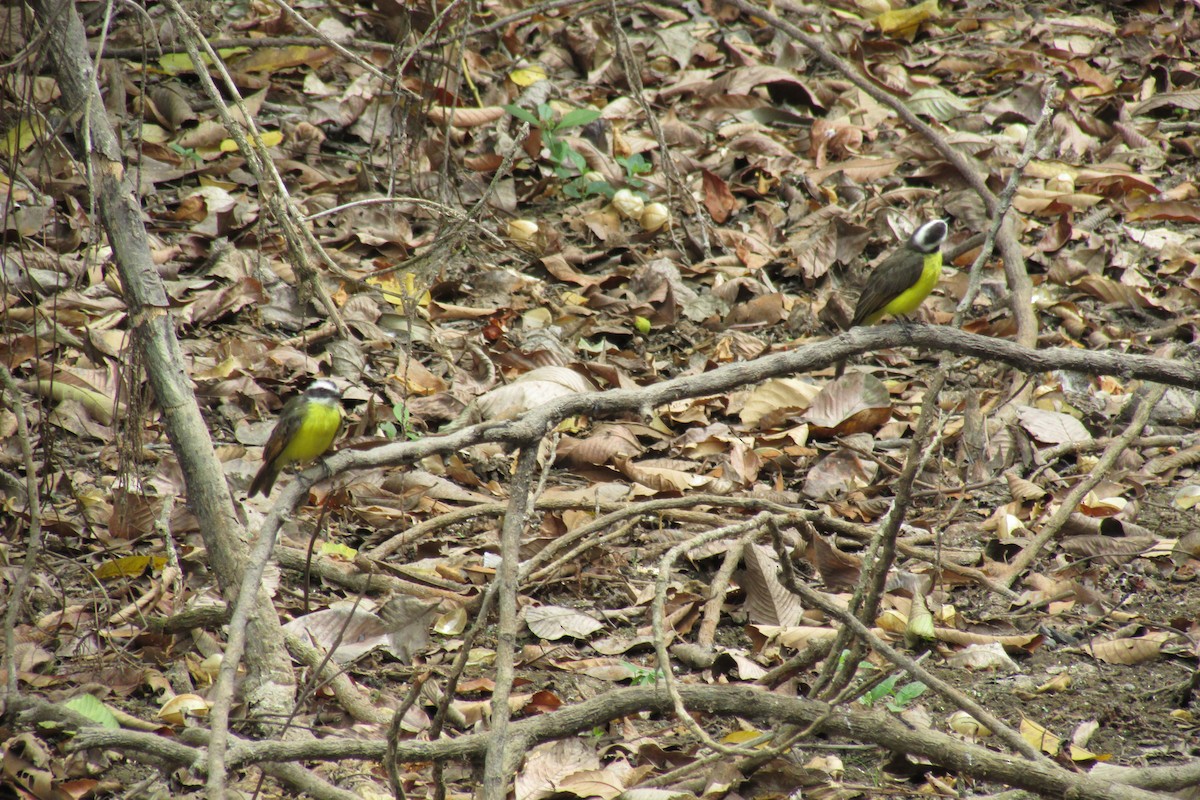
728	212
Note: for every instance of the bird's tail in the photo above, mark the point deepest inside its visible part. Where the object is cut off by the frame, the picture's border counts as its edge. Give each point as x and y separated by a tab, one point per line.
264	481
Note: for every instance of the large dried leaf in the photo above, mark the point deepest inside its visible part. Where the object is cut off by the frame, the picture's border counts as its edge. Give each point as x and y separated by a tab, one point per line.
550	764
1052	427
770	404
841	472
767	600
532	390
555	622
854	403
838	570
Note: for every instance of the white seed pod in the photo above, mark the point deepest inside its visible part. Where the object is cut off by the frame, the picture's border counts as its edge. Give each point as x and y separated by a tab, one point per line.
655	216
628	204
522	230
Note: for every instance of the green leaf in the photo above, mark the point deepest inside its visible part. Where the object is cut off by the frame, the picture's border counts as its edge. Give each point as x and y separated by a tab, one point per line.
635	164
558	149
881	691
909	692
523	115
600	187
577	118
93	709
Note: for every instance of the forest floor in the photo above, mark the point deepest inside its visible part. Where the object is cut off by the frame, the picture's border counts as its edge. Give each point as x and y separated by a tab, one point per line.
542	225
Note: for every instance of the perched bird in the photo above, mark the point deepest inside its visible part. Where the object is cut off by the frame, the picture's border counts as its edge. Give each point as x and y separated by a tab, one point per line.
904	279
306	429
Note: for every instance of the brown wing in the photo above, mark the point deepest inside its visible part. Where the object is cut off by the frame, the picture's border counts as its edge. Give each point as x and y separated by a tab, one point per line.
896	273
289	421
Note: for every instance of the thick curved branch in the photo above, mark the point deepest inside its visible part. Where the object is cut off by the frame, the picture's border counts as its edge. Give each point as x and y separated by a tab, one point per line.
874	727
532	425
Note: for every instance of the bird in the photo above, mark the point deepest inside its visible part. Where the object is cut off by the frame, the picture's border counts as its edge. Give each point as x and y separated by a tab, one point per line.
306	429
904	279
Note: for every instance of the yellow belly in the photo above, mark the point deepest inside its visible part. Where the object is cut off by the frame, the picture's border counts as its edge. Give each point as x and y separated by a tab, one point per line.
316	434
907	301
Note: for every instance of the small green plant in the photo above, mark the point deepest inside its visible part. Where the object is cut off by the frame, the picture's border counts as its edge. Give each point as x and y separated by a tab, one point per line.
634	166
642	676
568	162
402	427
586	186
897	697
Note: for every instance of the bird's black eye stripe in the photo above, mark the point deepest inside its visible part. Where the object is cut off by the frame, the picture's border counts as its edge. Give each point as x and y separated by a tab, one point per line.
323	393
929	237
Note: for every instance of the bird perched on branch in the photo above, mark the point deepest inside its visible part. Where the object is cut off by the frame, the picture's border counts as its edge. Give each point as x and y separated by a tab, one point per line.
306	429
904	279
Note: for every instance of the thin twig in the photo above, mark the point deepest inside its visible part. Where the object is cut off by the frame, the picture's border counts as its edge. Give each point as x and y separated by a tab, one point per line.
788	576
1097	473
502	754
1033	143
33	546
659	628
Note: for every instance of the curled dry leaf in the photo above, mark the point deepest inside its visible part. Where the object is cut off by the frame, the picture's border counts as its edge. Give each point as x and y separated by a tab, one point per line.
176	711
465	117
628	204
984	656
1040	738
663	474
839	473
549	764
1111	550
1129	650
606	444
1021	642
1023	491
796	637
837	569
654	217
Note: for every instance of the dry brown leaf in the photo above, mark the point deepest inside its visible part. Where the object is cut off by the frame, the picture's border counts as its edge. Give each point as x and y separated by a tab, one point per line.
662	475
1022	490
837	569
770	404
717	198
1052	427
1129	650
555	622
606	444
841	472
465	117
1116	293
854	403
531	390
767	600
1020	642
